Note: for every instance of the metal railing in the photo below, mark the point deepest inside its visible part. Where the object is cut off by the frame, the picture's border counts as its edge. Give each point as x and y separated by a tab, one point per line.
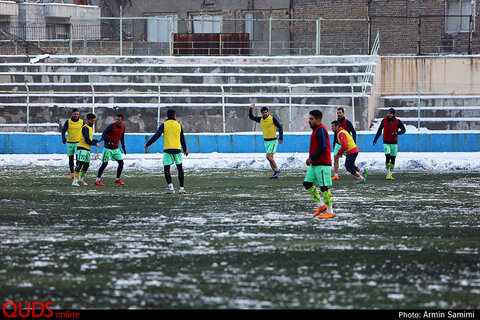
368	74
434	106
288	93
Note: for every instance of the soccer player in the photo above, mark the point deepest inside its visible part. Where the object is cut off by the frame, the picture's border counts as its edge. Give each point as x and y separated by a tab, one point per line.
269	126
320	166
83	150
174	141
348	126
347	146
73	128
112	136
392	128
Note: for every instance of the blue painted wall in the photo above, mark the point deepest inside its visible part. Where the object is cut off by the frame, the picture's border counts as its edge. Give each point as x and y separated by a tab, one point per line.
32	143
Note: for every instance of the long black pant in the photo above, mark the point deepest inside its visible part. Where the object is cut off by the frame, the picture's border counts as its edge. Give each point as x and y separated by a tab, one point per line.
82	166
350	163
105	164
390	159
181	175
70	163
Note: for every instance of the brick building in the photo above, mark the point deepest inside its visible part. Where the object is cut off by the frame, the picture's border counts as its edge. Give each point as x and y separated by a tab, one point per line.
326	26
282	27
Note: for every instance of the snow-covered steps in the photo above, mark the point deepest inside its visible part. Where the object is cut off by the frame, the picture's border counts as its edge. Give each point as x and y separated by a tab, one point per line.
437	112
134	83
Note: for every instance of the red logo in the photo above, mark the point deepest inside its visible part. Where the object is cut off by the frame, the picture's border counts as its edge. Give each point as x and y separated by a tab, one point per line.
35	309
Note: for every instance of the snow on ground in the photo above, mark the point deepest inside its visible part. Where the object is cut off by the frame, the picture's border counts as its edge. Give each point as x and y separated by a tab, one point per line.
436	161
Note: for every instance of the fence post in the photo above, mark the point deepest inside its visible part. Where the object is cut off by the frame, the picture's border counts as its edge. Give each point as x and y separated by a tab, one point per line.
318	37
93	102
28	106
71	36
220	44
353	105
290	107
270	36
223	108
121	31
159	106
470	36
419	36
418	102
171	35
369	34
85	45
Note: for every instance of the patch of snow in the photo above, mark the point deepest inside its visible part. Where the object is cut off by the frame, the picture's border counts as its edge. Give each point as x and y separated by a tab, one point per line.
431	161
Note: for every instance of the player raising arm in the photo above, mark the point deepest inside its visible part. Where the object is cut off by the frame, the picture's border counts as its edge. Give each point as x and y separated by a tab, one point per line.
269	125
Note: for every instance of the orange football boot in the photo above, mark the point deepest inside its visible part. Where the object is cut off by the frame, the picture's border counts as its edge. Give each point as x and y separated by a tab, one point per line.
326	215
320	210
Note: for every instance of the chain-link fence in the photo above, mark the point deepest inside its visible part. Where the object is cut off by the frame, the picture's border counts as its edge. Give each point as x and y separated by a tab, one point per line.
195	36
252	35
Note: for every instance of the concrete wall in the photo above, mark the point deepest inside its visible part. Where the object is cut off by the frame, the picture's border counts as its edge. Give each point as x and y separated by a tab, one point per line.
453	75
24	143
204	119
8	8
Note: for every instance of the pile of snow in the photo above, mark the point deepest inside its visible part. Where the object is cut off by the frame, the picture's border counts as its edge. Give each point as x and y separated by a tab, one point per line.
39	58
431	161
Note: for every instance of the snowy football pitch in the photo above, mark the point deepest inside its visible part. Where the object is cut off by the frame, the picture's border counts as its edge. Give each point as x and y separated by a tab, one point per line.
239	240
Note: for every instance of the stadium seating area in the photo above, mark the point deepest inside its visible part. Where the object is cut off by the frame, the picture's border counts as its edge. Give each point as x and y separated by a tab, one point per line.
293	84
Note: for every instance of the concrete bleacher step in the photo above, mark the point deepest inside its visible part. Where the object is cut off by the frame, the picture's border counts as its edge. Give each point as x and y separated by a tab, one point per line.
14	59
217	60
460	112
173	88
437	112
140	99
449	123
431	100
199	78
172	68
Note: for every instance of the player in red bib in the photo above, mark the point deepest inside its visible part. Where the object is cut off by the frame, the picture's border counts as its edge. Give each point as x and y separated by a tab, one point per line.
112	136
319	164
392	128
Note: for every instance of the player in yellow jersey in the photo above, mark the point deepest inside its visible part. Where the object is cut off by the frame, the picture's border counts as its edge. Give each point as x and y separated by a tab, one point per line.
269	126
173	142
83	151
73	128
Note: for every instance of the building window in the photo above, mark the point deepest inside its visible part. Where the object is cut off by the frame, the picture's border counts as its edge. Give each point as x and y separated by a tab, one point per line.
207	24
249	25
254	26
463	9
56	31
158	30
